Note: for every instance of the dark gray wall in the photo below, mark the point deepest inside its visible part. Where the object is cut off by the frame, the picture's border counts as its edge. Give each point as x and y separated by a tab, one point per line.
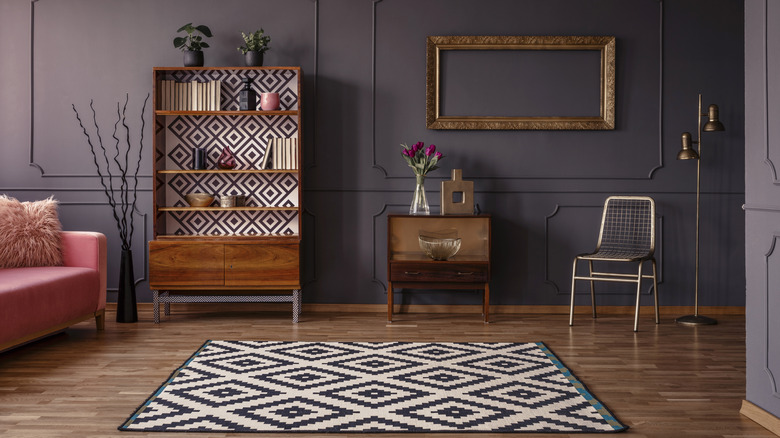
762	202
364	94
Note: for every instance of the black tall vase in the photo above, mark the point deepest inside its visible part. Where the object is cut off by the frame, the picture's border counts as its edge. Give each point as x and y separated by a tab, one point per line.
125	305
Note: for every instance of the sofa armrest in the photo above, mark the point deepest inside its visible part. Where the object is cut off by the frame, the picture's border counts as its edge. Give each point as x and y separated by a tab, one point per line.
86	249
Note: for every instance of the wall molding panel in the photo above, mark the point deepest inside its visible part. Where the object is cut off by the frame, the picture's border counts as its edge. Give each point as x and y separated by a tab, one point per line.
770	344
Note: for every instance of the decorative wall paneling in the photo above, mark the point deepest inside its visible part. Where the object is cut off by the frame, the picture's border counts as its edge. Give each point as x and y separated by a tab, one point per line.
762	211
365	82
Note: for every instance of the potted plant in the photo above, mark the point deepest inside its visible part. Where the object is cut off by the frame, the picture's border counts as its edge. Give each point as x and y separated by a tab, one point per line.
255	44
192	44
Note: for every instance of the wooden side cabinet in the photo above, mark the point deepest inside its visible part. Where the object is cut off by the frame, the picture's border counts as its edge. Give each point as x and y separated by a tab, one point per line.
409	267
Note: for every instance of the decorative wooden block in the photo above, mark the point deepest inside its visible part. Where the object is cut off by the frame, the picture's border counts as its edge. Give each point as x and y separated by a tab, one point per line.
457	196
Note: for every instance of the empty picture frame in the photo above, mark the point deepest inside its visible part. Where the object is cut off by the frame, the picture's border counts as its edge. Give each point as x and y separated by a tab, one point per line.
499	82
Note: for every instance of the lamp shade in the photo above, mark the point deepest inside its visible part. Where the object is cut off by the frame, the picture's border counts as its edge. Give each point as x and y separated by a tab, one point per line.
687	152
713	124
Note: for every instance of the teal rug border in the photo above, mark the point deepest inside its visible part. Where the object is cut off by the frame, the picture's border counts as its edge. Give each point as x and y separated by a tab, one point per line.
606	414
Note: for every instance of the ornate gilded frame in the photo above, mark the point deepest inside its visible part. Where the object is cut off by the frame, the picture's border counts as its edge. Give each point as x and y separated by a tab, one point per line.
604	44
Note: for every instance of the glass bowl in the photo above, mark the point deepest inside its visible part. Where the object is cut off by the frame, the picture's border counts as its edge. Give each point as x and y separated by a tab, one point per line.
439	248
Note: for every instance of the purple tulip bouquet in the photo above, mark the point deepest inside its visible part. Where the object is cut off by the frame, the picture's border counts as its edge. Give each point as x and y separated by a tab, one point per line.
421	159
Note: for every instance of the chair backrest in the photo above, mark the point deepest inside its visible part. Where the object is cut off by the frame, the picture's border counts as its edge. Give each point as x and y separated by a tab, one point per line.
628	225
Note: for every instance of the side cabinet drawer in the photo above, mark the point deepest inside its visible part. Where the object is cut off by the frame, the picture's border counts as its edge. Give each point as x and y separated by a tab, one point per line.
262	265
433	272
186	264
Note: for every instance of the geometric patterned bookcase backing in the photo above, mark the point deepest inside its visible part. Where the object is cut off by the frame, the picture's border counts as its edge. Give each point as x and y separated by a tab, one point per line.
247	137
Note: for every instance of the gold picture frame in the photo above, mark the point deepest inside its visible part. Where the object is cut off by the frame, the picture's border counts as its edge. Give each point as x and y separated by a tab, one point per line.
604	44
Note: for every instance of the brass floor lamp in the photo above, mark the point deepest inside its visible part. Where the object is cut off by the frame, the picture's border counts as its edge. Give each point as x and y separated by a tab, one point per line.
688	153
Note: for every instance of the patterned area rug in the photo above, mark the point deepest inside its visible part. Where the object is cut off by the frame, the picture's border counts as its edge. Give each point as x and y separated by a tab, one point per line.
241	386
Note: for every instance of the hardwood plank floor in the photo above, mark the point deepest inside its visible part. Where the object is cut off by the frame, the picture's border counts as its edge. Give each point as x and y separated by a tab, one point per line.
664	381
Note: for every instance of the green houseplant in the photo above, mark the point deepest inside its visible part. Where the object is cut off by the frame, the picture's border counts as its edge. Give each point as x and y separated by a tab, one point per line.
192	45
255	45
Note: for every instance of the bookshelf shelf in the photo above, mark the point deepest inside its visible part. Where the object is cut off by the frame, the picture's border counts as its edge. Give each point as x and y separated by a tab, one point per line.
226	113
184	171
164	209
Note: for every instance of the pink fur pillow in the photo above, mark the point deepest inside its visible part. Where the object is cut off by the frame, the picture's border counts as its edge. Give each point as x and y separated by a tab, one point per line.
29	233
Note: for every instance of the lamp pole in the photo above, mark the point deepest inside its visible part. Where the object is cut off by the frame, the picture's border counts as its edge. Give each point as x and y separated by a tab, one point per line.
687	153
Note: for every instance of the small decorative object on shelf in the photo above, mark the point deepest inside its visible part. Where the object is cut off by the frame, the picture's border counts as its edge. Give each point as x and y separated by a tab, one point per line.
198	159
422	160
192	45
199	199
228	201
247	98
226	159
255	45
269	101
457	196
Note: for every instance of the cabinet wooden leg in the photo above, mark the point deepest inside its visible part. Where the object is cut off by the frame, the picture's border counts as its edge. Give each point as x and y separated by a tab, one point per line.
486	303
389	301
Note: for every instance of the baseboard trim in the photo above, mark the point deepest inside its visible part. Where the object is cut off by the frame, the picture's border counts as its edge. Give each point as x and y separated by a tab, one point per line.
760	416
674	311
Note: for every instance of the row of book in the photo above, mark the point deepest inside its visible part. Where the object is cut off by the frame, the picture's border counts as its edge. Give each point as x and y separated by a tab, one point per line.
281	153
190	96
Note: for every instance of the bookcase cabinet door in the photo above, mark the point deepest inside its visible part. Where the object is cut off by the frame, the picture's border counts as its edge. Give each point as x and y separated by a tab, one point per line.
262	265
175	264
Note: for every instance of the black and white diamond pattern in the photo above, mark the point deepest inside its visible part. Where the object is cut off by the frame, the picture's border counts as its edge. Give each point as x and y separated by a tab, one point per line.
244	386
247	139
284	82
216	222
245	136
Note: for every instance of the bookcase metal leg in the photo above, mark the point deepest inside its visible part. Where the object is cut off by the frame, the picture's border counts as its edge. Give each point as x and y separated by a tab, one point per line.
296	302
156	300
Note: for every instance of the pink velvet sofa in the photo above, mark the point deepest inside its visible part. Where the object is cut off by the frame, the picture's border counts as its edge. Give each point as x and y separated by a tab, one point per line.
39	301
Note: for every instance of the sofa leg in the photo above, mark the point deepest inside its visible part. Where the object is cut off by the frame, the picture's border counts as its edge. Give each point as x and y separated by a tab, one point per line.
100	319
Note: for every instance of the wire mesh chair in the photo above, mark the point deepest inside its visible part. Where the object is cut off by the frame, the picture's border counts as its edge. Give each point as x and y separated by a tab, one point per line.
627	235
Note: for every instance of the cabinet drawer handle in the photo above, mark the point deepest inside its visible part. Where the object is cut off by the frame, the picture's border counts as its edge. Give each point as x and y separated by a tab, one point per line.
412	273
465	273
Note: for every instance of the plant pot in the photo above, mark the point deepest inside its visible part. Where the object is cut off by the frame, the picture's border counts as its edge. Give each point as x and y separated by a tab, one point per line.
253	59
193	58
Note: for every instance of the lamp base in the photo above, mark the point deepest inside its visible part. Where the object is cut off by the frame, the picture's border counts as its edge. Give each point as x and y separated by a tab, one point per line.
696	320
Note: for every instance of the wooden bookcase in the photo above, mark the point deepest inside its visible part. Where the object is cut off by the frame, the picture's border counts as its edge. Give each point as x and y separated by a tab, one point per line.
408	267
249	253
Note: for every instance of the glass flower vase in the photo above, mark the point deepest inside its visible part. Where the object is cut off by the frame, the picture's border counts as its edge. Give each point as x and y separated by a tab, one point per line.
419	200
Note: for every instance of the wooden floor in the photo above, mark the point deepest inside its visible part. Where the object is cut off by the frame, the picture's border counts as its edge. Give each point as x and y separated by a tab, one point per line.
664	381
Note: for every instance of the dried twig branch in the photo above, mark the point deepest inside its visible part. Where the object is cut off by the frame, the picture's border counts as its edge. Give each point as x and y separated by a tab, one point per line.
119	198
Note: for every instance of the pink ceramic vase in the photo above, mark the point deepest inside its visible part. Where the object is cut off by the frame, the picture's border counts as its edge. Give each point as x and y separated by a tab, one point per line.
269	101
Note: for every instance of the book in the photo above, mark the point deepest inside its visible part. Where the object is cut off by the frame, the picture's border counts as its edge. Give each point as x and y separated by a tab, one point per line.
267	155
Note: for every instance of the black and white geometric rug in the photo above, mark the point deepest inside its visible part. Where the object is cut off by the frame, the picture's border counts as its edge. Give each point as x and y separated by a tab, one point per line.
245	386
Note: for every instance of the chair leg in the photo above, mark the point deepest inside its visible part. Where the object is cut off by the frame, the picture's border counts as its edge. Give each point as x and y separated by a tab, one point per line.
655	292
638	290
571	307
592	288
